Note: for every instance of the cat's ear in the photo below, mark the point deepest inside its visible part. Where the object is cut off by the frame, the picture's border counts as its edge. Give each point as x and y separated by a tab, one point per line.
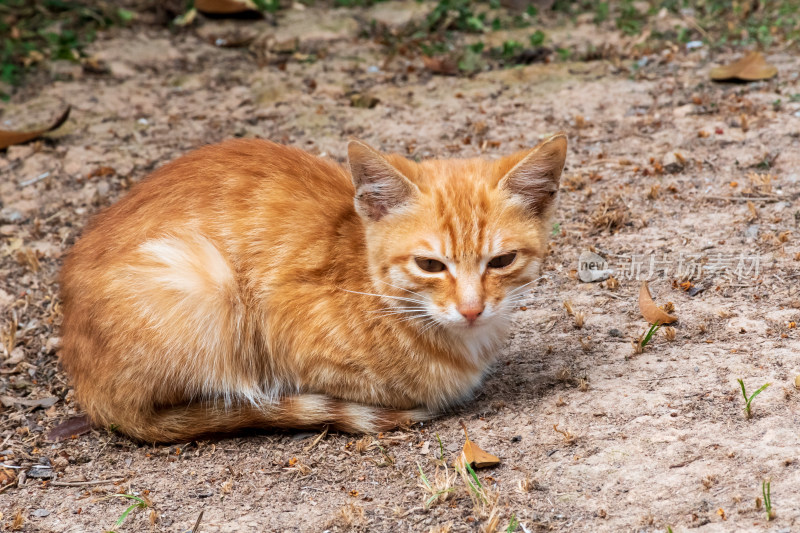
380	187
534	177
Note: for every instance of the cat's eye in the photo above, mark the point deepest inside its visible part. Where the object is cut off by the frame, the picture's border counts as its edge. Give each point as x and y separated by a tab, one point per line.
502	261
430	265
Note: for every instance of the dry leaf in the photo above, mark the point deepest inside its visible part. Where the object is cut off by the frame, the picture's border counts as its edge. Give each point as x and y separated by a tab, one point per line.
474	455
478	458
72	427
8	138
225	7
438	65
569	438
7	477
650	311
752	67
753	211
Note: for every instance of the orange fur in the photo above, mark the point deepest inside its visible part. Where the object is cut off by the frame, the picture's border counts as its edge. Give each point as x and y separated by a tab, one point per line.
242	286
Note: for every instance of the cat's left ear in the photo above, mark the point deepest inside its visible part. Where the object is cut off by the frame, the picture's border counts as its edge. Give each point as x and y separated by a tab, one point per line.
534	178
380	187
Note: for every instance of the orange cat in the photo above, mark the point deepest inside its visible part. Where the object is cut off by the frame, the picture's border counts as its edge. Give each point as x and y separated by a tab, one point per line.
250	285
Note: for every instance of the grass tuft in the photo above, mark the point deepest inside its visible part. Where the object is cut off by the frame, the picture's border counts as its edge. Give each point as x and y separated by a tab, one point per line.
138	503
649	335
440	488
34	32
513	524
749	400
765	491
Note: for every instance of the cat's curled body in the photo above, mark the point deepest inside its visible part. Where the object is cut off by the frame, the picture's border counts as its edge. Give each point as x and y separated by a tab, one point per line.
249	284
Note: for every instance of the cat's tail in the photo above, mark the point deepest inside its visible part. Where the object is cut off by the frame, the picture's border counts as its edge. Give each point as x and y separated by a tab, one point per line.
305	411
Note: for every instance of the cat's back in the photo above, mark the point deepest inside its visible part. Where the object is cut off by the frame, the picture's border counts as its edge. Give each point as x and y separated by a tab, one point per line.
181	252
220	190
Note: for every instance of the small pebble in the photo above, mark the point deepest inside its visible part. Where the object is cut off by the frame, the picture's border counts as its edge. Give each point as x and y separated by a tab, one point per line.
10	216
41	472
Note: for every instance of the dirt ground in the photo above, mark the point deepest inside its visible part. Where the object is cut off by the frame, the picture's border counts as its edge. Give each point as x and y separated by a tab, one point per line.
645	441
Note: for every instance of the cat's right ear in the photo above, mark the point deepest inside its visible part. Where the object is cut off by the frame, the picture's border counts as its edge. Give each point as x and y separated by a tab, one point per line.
534	178
380	187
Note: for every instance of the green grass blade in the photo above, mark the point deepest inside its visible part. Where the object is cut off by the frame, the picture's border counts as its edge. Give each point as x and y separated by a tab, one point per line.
436	495
441	446
424	477
124	515
744	393
652	331
476	487
756	393
140	503
473	474
513	524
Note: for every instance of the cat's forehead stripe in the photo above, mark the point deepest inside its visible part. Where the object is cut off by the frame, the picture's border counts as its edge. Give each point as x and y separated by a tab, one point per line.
463	210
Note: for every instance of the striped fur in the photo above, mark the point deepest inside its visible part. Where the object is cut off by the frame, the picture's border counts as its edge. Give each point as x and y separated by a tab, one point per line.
250	285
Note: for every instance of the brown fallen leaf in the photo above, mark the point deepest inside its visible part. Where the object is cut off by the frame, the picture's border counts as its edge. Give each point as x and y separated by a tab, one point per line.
473	455
8	138
16	525
438	65
7	477
101	172
77	425
650	311
752	67
569	438
225	7
753	211
8	401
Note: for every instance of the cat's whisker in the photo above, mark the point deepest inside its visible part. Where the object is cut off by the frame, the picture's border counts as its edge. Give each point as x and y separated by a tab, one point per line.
522	298
403	306
521	287
401	298
545	276
401	288
410	318
430	323
399	316
397	310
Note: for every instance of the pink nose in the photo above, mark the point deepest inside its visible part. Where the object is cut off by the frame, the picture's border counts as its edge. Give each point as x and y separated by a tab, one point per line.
471	312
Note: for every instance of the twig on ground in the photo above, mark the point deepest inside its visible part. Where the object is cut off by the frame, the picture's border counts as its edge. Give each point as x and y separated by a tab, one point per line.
744	198
84	483
317	440
196	527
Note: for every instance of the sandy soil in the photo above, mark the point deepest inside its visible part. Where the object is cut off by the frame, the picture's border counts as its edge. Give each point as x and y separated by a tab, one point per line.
655	439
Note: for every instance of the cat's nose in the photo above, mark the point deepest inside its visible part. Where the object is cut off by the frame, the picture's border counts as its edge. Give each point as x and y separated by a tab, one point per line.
471	311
